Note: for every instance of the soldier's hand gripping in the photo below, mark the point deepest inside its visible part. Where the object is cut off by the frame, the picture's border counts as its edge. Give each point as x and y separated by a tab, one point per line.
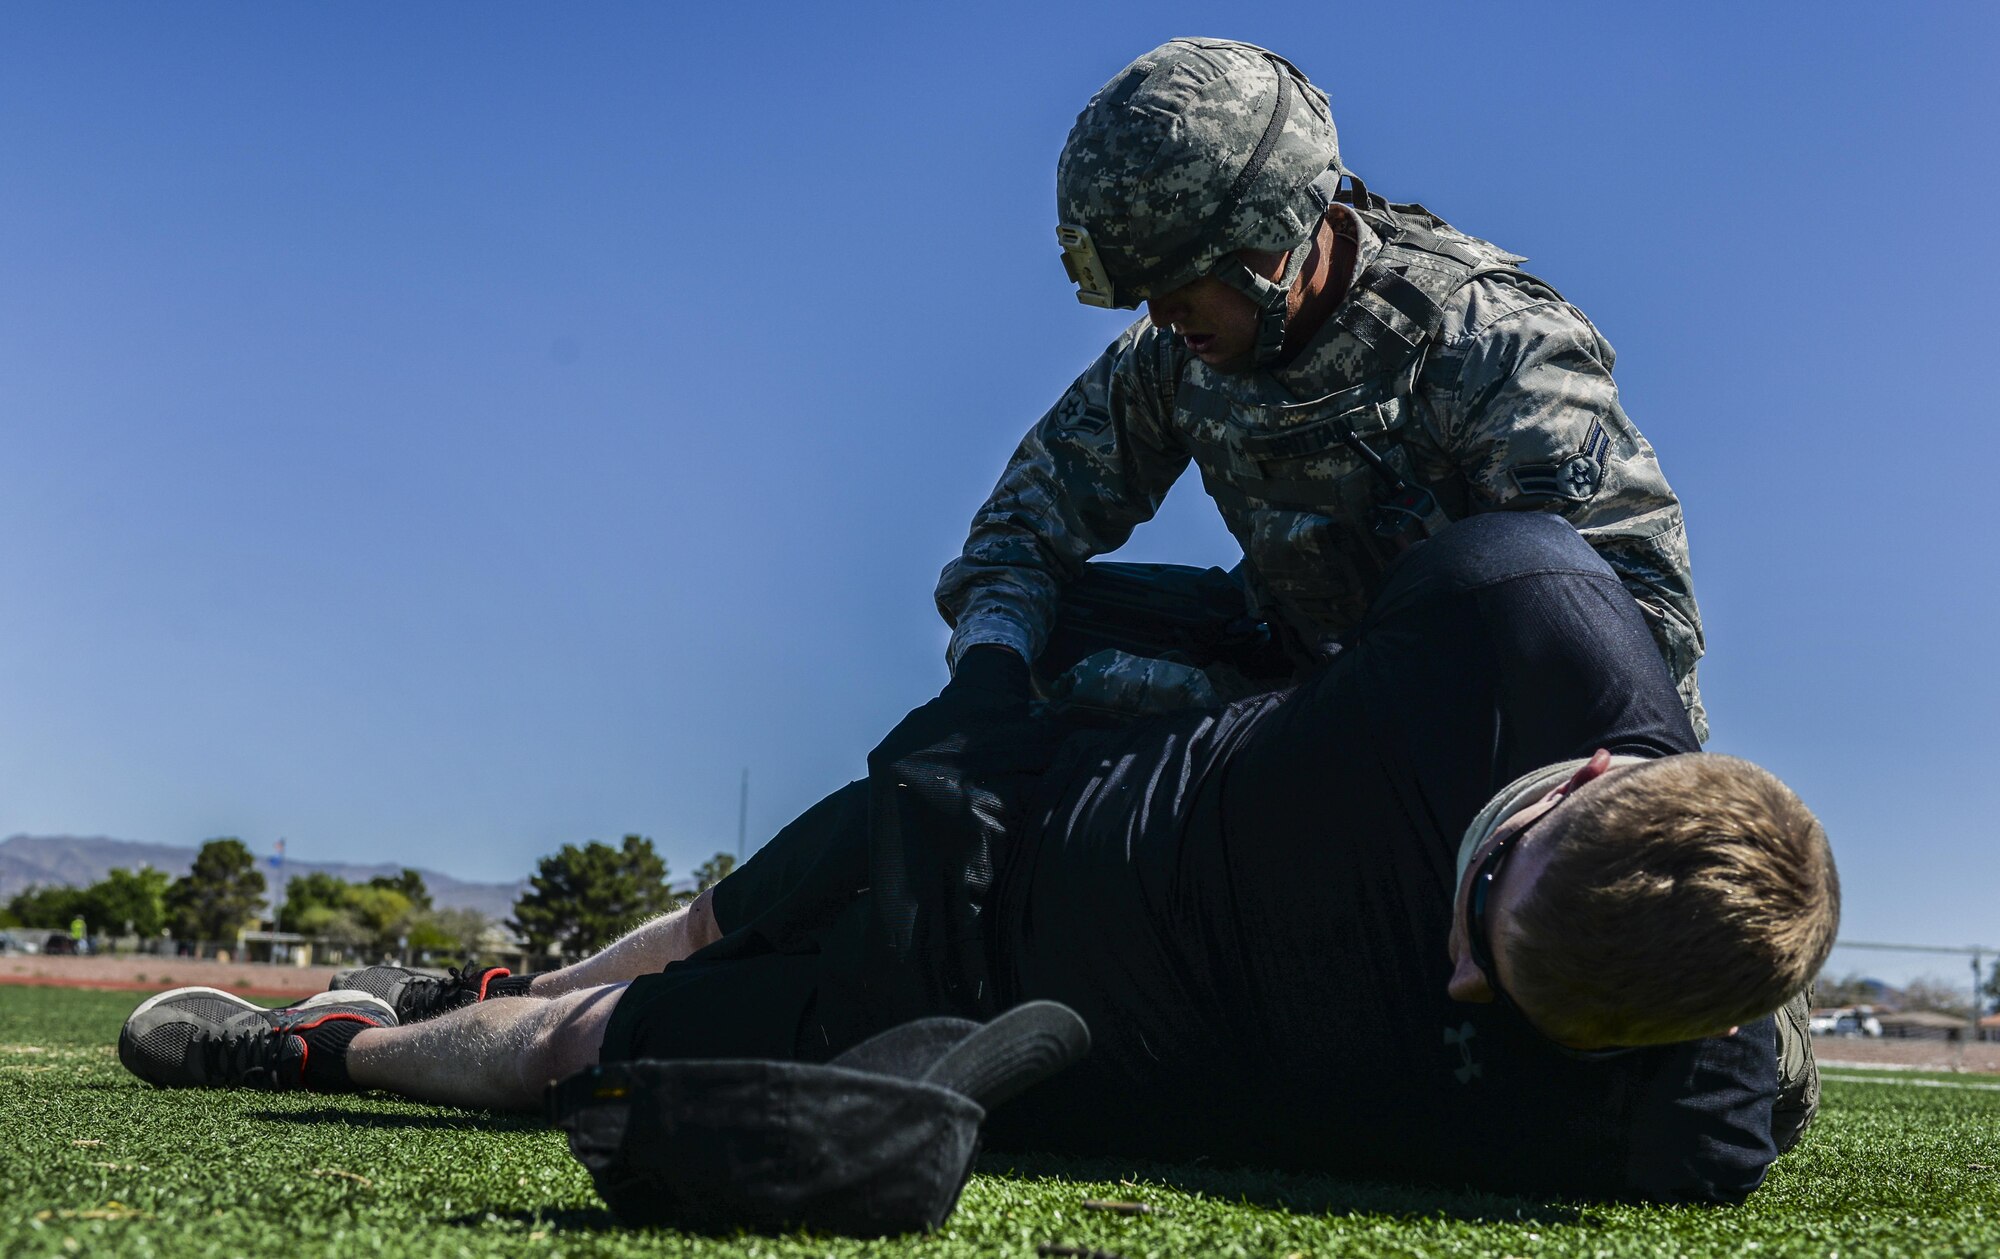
991	685
940	789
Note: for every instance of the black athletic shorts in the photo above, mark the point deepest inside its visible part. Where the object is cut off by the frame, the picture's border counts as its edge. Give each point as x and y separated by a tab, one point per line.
789	979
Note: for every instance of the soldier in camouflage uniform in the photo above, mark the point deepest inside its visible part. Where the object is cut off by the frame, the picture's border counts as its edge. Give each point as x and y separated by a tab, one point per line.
1346	375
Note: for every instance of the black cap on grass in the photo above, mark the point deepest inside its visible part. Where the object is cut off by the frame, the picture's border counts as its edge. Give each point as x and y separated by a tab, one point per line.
878	1141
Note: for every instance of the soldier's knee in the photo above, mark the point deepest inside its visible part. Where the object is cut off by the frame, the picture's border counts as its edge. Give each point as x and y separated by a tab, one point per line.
1497	545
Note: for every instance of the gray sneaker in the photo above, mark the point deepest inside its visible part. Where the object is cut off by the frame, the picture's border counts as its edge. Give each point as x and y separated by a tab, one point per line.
416	995
207	1038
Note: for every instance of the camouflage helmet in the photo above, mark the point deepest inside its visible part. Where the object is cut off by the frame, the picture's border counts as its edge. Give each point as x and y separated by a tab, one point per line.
1198	149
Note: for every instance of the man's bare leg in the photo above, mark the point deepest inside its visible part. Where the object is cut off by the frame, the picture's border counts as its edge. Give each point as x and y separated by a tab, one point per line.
496	1054
645	950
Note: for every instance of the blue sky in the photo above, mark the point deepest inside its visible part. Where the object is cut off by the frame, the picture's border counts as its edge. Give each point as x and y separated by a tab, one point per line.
438	433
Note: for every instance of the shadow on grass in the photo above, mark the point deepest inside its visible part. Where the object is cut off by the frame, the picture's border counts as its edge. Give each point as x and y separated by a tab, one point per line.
1300	1193
1293	1192
469	1121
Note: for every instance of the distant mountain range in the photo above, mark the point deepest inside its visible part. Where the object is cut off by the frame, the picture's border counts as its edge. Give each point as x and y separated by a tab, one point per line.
78	862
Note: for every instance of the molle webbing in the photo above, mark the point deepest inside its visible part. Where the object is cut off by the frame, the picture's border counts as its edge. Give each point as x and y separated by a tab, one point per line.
1287	479
1393	313
1392	316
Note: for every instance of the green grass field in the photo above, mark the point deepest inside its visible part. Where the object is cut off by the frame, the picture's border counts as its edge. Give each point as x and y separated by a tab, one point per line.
94	1163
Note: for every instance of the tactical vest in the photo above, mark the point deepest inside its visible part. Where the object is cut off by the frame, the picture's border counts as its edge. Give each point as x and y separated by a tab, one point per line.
1292	489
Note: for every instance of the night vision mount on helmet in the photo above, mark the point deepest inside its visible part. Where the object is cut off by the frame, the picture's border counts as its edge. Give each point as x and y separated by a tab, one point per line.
1198	149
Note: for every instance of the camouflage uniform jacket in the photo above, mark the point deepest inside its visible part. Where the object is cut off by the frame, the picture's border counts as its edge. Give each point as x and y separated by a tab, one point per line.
1469	375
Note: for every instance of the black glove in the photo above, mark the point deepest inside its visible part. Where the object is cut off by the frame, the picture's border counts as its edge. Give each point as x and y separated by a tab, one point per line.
991	684
942	788
990	670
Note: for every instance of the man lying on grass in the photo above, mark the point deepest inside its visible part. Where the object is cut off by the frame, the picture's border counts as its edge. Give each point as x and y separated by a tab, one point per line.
1466	906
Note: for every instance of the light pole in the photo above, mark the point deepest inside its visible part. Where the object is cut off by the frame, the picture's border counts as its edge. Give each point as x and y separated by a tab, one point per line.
1976	993
743	814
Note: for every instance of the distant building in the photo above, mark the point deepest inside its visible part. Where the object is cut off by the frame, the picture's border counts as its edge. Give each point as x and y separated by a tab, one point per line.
1925	1025
287	948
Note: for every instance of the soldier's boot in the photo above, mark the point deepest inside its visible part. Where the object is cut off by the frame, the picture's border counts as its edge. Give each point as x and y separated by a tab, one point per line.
1798	1074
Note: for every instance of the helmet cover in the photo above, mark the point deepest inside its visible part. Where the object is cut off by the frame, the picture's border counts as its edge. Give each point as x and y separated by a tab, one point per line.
1153	171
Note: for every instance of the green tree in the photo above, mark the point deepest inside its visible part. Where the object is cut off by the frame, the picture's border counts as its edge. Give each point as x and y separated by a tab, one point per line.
373	915
1941	996
1852	988
134	900
457	933
713	871
219	895
313	890
383	913
50	907
338	926
410	884
581	899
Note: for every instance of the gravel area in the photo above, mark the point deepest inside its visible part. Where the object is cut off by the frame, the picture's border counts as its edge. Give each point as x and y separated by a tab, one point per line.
141	973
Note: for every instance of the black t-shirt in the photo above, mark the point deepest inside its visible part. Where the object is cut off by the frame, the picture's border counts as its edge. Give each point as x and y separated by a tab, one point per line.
1250	907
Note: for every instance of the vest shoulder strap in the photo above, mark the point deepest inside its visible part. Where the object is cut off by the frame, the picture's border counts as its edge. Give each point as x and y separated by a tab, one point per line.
1397	305
1398	302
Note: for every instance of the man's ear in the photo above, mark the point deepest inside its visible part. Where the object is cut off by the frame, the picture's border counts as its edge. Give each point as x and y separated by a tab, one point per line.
1599	762
1468	983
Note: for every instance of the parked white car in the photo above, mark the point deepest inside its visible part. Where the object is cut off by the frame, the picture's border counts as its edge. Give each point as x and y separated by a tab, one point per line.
1854	1021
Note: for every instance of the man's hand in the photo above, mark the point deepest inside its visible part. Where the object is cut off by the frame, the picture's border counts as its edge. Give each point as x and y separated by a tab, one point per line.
977	728
940	791
991	673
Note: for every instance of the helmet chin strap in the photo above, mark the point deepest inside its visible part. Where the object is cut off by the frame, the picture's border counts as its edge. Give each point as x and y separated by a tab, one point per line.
1273	297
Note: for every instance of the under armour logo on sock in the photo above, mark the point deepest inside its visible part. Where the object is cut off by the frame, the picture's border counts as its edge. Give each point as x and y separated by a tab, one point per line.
1461	1036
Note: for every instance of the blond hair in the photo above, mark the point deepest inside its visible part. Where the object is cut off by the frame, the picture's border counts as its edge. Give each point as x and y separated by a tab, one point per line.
1680	897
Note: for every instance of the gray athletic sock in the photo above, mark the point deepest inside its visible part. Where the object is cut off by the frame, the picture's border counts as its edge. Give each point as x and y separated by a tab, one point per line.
510	986
326	1055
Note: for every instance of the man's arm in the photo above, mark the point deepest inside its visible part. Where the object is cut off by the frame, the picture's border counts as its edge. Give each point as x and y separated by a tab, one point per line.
1521	397
1096	466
